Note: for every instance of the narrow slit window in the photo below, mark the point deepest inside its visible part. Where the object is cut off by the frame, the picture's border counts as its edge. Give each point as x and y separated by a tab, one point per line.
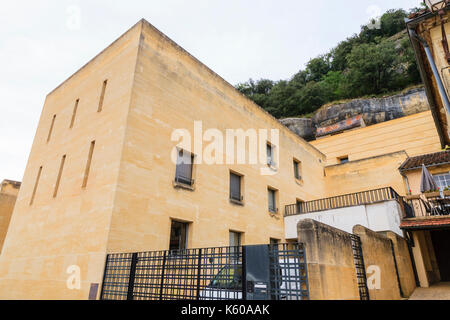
74	113
38	177
102	96
88	165
58	180
51	128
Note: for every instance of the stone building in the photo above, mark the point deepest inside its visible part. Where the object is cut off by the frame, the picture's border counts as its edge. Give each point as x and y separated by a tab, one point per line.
8	195
111	170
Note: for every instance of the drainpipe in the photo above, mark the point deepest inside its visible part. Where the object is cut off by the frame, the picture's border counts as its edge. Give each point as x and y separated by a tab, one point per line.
434	68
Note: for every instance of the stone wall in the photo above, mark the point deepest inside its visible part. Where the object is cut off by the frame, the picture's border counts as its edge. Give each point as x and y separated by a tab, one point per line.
377	252
404	264
329	256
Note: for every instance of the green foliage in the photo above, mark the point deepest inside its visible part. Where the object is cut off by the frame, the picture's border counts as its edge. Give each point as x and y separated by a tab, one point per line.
370	63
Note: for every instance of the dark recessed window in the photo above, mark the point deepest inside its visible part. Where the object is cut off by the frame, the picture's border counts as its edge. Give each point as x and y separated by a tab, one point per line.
299	204
184	168
343	160
270	154
297	170
178	236
272	200
235	187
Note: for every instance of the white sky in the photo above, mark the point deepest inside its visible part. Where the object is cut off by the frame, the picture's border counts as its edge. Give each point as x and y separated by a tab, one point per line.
43	42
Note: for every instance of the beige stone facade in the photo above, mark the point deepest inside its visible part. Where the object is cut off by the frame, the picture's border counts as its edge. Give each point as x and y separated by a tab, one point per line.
8	195
100	177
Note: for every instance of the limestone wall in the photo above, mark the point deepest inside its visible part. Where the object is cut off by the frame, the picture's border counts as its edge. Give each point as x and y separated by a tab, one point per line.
404	264
330	263
377	251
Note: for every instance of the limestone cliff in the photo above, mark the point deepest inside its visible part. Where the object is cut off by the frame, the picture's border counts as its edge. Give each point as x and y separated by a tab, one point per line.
374	110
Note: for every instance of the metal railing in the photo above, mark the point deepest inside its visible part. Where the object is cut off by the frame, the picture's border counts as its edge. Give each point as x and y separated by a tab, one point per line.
342	201
205	274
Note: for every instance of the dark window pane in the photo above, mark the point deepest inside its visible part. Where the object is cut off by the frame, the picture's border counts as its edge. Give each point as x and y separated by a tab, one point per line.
235	187
178	236
184	167
272	203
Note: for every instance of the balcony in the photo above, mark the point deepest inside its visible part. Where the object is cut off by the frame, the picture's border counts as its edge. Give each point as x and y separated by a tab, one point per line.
379	210
427	205
343	201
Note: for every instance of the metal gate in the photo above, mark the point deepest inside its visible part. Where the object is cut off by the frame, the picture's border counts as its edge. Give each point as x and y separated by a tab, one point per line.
360	268
221	273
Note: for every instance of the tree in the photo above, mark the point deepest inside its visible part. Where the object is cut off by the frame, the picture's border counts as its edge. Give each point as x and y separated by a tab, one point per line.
371	68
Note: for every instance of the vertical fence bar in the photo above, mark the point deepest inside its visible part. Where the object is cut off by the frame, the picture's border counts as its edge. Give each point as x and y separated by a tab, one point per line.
134	259
161	289
199	271
244	272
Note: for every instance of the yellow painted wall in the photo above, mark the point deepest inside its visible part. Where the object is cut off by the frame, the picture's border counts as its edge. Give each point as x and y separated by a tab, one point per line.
416	134
366	174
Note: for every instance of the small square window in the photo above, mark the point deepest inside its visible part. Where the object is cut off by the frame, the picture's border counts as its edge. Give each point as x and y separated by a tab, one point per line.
343	160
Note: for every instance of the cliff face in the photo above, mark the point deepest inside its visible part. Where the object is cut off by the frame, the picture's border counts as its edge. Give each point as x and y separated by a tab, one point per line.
373	111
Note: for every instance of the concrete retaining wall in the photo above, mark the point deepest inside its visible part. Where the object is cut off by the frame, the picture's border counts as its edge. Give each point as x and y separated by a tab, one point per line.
331	268
377	253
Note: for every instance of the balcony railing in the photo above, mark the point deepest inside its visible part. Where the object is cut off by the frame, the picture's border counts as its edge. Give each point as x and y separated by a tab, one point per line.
432	207
346	200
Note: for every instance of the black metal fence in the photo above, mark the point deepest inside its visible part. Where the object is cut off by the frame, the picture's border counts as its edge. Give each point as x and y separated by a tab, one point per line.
342	201
204	274
361	276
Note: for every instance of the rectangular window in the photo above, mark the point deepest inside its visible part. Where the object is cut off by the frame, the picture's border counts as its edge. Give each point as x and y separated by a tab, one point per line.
88	165
299	205
178	236
51	128
58	180
74	113
184	168
297	170
38	177
269	154
102	96
235	187
442	180
343	160
274	241
272	200
235	239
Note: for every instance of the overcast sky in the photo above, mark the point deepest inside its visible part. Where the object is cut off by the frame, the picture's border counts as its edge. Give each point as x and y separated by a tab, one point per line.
43	42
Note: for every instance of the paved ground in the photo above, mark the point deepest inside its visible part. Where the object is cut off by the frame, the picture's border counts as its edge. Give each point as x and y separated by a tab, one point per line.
439	291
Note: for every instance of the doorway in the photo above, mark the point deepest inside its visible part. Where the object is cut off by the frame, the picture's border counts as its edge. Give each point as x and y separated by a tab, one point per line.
441	244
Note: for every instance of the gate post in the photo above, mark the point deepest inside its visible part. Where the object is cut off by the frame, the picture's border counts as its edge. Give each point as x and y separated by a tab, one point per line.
134	259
